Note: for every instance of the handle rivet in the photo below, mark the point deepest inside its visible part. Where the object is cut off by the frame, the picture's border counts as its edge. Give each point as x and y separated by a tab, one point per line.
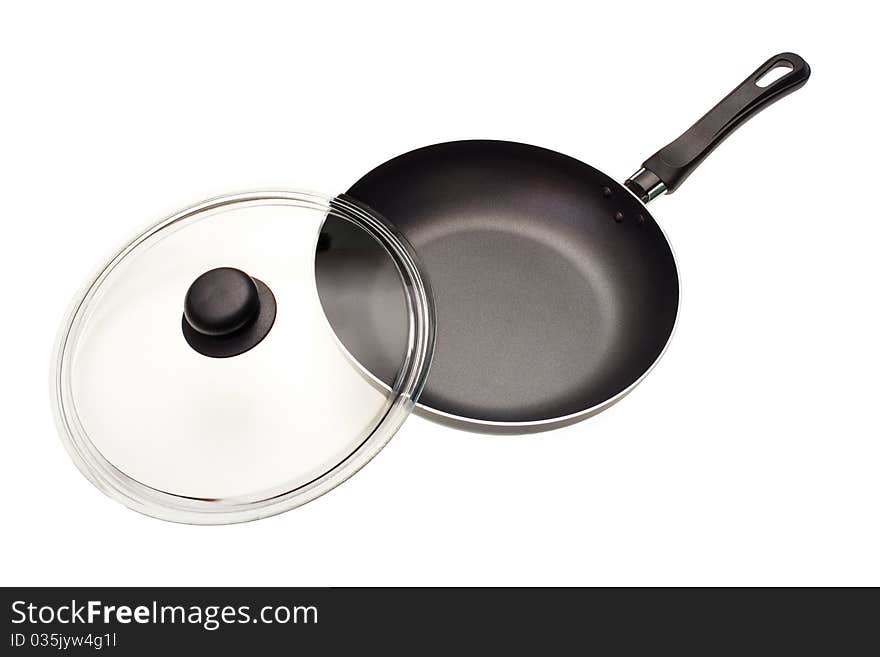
618	216
606	192
640	220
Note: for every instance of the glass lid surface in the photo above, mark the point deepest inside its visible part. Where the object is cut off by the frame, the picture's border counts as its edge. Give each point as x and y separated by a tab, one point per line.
197	378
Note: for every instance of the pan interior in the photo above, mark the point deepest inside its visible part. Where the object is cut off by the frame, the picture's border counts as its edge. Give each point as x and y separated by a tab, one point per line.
555	290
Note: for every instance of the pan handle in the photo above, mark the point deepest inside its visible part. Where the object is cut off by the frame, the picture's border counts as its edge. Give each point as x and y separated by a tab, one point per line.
666	169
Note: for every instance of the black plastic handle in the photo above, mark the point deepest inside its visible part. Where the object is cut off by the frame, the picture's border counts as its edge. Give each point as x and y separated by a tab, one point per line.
672	164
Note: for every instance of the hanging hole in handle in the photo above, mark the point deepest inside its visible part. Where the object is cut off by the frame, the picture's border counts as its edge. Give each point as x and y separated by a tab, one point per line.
778	72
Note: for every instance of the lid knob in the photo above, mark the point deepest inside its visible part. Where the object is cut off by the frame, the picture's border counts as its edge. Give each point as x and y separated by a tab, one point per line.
226	312
221	301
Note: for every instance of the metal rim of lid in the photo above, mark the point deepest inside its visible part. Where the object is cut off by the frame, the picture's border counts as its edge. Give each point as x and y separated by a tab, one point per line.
404	392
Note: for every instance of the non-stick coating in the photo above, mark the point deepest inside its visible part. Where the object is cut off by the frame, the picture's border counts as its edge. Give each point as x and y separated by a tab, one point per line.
555	290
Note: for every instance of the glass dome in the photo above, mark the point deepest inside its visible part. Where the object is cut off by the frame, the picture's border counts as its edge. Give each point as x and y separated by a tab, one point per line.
197	378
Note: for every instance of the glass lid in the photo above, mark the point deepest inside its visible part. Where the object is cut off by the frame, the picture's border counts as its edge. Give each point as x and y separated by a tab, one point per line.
197	378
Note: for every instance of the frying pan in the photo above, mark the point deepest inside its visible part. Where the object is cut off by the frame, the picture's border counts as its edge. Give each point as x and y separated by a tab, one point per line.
556	292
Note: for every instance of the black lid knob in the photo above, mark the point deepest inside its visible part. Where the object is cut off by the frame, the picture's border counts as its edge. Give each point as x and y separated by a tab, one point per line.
226	312
221	301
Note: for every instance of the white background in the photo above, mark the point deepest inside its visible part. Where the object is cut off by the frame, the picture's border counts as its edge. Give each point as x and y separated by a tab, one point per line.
751	455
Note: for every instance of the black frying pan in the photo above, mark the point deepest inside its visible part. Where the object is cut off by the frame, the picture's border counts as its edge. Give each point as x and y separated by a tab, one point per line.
555	290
